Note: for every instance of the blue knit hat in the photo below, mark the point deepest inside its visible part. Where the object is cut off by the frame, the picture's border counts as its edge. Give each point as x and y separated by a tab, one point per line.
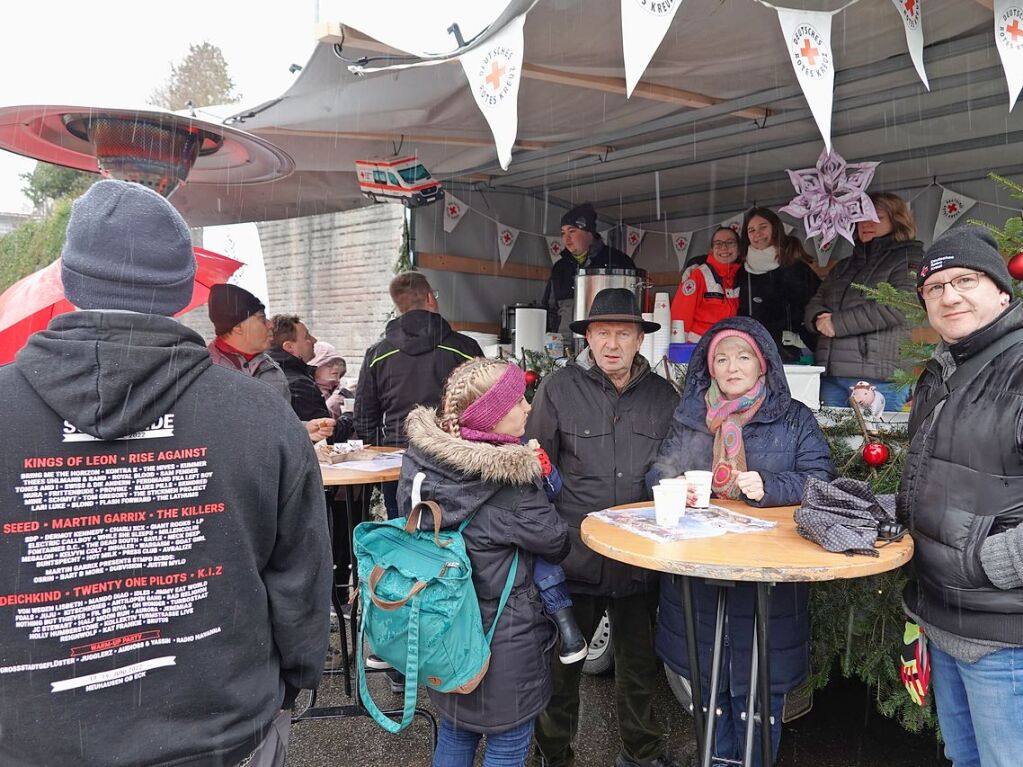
127	248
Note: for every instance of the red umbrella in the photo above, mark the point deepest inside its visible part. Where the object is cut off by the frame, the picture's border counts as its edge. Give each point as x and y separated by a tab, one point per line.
30	303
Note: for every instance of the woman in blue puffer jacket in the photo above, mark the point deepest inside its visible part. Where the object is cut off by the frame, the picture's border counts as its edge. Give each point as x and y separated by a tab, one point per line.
737	418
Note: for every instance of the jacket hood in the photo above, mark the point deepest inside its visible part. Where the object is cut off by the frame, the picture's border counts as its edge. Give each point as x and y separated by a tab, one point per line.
110	373
693	409
504	464
417	332
463	476
289	361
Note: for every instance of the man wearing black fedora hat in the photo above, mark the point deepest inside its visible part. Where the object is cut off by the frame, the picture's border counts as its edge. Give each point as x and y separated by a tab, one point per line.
584	248
601	419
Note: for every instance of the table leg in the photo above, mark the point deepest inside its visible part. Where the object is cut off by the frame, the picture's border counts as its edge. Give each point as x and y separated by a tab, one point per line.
715	677
759	682
763	613
689	615
353	575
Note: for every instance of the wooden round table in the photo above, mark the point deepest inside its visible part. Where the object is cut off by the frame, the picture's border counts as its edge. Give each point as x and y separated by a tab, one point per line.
763	557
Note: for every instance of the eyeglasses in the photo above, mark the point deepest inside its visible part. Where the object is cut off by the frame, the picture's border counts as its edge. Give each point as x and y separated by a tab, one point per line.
728	244
962	284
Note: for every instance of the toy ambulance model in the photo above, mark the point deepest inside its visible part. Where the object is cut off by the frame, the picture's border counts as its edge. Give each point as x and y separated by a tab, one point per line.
405	179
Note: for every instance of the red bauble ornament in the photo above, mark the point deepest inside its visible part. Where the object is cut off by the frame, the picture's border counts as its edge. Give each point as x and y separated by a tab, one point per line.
532	378
1016	266
875	454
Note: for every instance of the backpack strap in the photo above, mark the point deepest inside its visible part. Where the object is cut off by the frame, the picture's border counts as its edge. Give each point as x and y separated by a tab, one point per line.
411	676
508	583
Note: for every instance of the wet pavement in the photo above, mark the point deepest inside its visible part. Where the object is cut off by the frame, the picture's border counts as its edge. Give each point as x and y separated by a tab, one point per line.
842	730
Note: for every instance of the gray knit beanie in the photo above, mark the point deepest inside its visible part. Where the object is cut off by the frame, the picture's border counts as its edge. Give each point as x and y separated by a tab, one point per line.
127	248
967	247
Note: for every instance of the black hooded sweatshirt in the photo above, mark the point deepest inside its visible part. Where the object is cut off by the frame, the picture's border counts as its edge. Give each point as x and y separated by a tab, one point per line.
164	550
407	367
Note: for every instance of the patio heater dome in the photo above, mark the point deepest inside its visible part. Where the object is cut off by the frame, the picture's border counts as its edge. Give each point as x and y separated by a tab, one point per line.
153	147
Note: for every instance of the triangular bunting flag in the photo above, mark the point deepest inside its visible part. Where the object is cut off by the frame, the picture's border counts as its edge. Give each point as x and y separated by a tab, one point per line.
953	206
808	37
824	250
506	238
555	247
494	71
681	241
910	11
454	209
734	223
644	23
633	237
1009	41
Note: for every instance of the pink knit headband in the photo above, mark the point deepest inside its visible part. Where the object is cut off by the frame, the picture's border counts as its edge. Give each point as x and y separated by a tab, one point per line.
481	416
730	333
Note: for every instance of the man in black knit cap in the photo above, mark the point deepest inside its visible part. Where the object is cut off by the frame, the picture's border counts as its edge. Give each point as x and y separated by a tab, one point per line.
583	249
960	497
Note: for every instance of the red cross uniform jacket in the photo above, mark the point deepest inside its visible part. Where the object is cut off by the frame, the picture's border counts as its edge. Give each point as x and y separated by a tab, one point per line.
706	294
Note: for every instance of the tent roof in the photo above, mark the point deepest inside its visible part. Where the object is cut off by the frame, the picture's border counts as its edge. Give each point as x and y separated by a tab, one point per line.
716	120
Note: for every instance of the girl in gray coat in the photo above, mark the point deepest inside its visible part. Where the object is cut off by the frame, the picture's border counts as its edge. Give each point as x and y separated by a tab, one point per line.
474	466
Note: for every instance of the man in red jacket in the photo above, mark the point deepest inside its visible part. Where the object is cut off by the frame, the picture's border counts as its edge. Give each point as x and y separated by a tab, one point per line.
707	292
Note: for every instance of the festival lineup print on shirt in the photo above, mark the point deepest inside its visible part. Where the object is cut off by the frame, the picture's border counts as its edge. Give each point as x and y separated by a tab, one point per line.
111	545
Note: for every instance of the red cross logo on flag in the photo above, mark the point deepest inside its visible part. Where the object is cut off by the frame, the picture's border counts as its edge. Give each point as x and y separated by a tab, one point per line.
633	238
506	237
808	52
453	210
555	248
496	73
910	6
680	242
1014	30
951	207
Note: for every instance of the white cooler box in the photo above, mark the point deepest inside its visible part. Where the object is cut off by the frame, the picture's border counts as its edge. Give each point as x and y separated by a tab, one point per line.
805	384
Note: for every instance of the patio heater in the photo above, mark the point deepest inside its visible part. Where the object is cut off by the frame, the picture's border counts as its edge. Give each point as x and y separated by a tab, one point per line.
153	147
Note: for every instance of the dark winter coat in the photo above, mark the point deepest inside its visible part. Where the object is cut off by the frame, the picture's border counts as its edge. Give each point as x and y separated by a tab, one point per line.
962	484
603	443
785	445
561	284
499	486
405	369
306	397
260	367
211	486
777	300
867	334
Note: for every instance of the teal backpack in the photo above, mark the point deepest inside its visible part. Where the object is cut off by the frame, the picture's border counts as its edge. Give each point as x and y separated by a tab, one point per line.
419	607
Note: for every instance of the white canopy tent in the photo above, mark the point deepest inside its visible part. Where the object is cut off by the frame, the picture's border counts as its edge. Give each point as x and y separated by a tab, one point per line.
715	121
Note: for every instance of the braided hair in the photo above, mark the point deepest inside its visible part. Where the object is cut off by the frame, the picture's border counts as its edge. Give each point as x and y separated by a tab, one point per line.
464	385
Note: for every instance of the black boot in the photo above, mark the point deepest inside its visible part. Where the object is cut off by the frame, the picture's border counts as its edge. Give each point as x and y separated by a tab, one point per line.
573	644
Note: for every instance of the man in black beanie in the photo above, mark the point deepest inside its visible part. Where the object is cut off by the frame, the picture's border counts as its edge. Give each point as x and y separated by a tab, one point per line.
244	335
960	498
165	562
583	249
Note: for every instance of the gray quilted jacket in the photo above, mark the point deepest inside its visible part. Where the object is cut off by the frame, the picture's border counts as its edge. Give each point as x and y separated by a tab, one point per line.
867	334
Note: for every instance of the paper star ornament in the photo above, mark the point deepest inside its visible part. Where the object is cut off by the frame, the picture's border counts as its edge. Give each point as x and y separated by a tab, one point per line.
832	197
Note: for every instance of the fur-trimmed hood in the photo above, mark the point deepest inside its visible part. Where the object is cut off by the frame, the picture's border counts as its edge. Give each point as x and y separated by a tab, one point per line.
504	464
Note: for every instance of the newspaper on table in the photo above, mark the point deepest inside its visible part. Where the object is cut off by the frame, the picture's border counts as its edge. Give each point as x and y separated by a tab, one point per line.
697	523
379	462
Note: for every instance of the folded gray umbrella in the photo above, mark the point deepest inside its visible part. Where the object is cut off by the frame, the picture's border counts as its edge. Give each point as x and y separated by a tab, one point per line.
844	515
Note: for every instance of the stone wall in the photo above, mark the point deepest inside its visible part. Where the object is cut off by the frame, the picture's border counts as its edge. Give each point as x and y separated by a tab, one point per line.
332	270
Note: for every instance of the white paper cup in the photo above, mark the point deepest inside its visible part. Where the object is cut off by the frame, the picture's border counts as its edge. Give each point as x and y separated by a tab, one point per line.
669	504
700	481
678	332
682	485
348	405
